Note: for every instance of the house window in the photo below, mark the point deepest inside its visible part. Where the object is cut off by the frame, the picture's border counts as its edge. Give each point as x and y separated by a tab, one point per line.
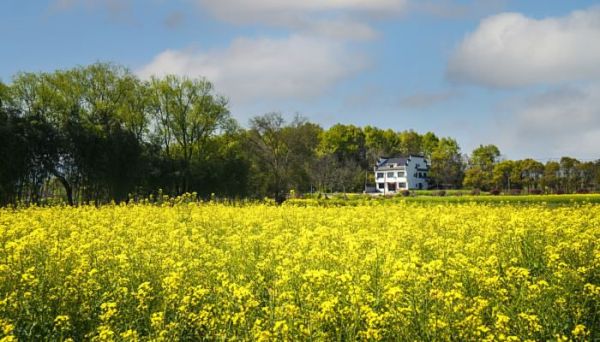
402	185
379	174
381	185
401	174
390	175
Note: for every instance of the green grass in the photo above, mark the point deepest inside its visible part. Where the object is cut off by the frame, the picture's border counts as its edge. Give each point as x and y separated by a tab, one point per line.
354	200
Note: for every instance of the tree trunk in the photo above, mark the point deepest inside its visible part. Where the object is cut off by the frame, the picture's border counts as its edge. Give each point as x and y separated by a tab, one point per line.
66	185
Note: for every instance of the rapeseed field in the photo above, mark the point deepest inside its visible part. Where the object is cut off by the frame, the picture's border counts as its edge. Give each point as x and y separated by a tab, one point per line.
207	271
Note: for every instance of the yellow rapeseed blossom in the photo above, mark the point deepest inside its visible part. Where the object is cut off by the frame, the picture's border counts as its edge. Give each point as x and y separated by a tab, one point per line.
257	271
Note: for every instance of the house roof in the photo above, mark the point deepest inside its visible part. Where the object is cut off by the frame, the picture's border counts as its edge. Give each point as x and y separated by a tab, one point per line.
397	161
386	163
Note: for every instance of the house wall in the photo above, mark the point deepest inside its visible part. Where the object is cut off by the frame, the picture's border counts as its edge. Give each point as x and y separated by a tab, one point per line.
386	180
411	179
414	180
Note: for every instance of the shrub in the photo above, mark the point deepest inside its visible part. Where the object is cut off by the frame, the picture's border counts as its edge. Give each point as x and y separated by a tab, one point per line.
475	192
495	192
515	192
405	193
583	191
535	191
441	193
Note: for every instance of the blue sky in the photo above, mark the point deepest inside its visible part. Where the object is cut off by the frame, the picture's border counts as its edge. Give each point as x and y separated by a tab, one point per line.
523	75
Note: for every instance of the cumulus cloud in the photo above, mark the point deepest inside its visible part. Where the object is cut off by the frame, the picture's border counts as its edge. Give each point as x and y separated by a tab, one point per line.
510	49
296	67
557	122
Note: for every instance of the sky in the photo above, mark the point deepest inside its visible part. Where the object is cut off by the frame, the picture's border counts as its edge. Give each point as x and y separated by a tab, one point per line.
523	75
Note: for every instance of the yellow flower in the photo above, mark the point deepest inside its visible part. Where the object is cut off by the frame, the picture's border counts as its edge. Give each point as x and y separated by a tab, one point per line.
580	331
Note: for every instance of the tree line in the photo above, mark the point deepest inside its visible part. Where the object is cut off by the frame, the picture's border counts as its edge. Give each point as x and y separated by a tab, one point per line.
98	133
485	170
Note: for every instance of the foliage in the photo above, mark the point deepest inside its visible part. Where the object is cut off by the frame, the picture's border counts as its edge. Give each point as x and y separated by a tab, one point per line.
479	175
446	164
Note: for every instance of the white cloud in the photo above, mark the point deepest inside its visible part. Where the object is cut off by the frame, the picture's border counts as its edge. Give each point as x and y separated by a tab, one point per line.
336	19
452	9
555	123
297	67
244	11
510	50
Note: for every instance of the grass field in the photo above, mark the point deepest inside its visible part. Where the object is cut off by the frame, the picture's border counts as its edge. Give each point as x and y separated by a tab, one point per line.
407	270
360	200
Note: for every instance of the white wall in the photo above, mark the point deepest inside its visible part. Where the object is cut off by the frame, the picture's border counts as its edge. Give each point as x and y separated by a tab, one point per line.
411	181
411	170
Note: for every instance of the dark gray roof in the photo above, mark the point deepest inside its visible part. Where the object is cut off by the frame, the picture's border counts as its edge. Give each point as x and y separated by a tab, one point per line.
399	160
385	163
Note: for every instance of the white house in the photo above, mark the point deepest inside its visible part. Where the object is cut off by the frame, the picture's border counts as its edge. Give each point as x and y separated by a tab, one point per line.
402	173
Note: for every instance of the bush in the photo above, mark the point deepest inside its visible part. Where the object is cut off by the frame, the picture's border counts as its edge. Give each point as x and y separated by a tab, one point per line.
583	191
515	192
535	191
441	193
405	193
495	192
475	192
560	192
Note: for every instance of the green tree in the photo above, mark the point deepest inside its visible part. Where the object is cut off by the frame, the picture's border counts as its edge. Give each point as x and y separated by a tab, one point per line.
476	178
569	175
186	113
551	178
303	138
380	143
481	166
281	153
532	172
447	168
38	100
585	171
485	157
346	142
14	153
429	143
410	143
501	174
